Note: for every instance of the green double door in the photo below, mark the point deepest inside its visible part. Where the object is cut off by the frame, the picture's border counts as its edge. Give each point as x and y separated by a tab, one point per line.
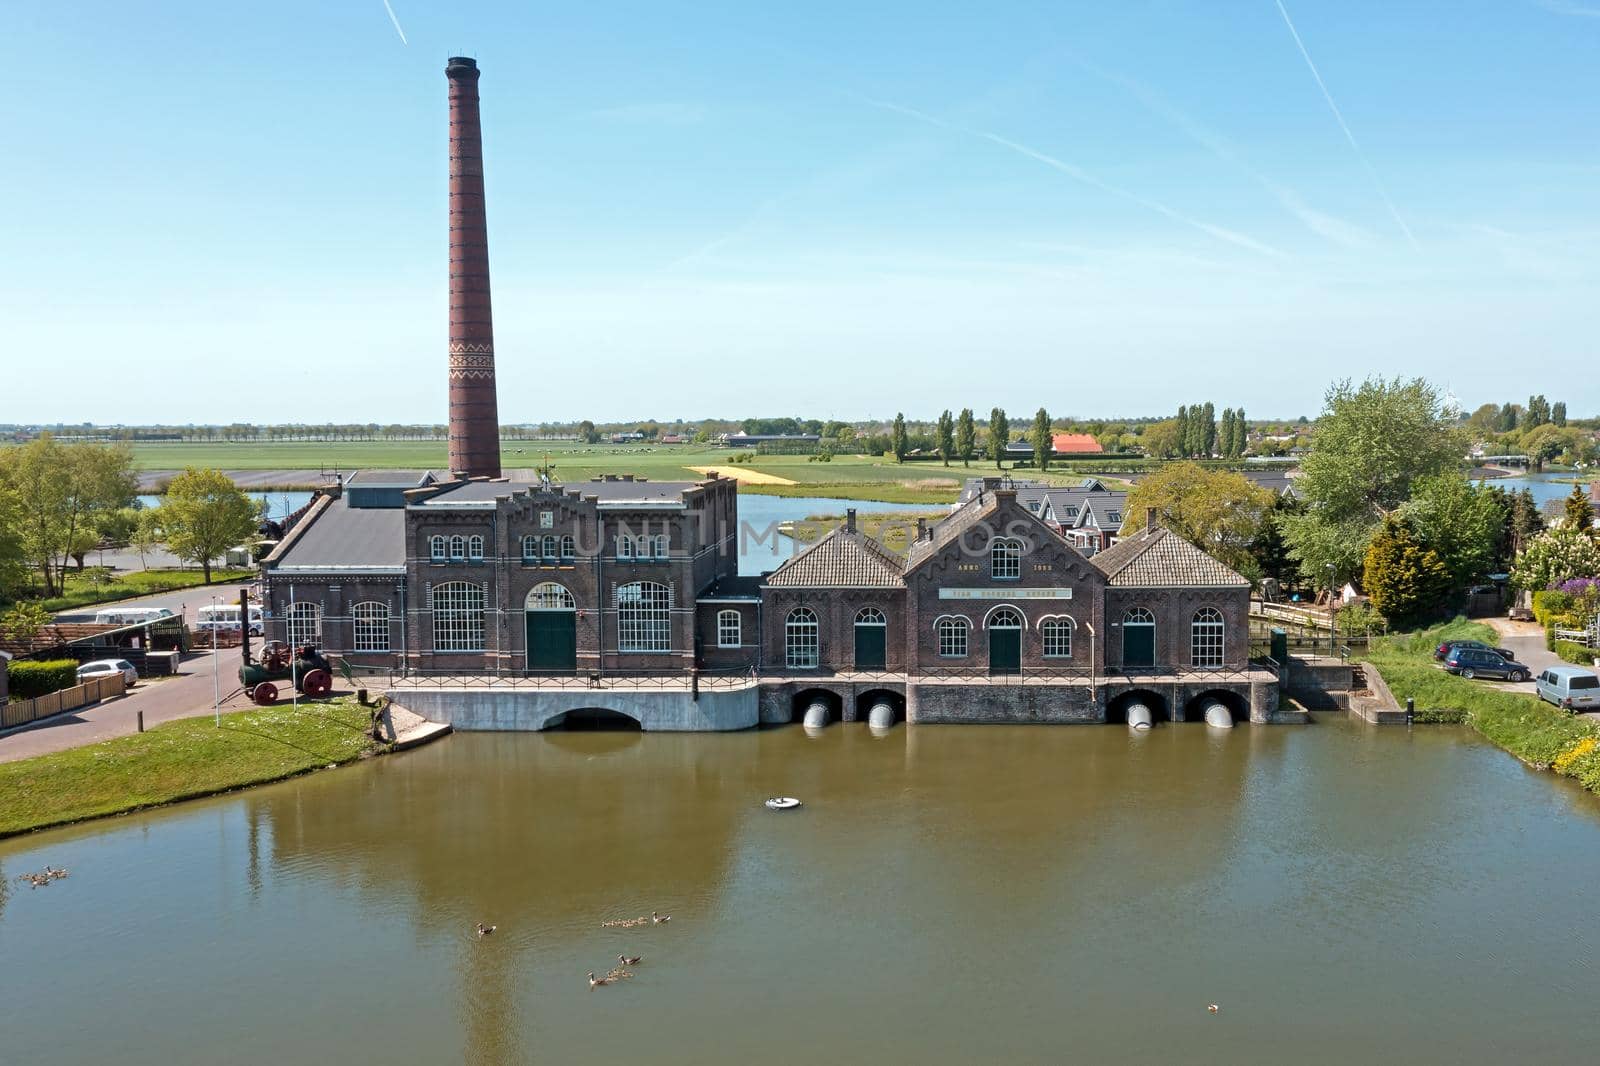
552	640
1005	650
1138	645
872	650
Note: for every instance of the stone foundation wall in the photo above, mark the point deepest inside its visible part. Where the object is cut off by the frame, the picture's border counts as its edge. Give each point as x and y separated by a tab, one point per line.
1003	704
532	709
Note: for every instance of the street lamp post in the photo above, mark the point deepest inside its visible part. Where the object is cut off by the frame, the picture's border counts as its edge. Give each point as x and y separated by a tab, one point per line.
216	680
1333	619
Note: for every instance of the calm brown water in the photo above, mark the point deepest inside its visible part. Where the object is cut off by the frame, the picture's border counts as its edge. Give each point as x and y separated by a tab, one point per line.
947	895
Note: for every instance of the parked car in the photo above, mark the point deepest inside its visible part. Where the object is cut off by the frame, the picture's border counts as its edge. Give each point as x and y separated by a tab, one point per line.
1569	687
1443	650
105	668
1484	662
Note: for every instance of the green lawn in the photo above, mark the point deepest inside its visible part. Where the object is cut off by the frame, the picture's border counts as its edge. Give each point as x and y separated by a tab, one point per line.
893	531
127	585
180	760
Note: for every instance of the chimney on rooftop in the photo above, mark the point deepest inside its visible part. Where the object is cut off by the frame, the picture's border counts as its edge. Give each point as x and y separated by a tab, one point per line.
1149	519
474	413
849	519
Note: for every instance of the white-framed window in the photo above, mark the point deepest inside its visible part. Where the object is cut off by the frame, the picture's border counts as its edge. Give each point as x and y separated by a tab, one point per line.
530	548
953	638
1055	637
550	596
802	644
438	549
663	546
475	548
1138	616
624	546
303	624
644	617
552	547
1005	558
1004	618
458	616
458	548
730	629
569	548
371	619
1206	638
871	616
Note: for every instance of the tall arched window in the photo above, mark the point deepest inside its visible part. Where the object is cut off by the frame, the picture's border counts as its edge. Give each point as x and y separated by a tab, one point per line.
371	626
730	629
552	547
458	548
644	617
1206	638
1055	635
953	638
663	546
457	616
550	596
303	624
871	616
569	548
1005	558
802	645
530	548
1004	618
438	549
475	548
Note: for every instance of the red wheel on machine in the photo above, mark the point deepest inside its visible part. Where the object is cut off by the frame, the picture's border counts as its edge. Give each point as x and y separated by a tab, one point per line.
265	693
316	683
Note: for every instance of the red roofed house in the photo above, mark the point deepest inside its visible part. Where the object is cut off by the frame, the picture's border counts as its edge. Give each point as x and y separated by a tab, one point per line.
1075	444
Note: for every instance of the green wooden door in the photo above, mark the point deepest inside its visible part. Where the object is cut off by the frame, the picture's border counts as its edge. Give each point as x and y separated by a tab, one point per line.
1138	644
871	647
552	640
1005	651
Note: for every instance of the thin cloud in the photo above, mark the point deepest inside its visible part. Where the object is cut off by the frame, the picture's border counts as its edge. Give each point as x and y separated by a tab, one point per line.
1565	7
396	22
1079	174
1351	137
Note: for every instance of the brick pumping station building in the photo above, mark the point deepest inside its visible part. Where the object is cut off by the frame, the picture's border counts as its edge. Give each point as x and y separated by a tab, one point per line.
498	604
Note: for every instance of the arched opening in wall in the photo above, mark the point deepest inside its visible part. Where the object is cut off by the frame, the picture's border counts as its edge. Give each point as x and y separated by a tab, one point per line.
816	706
1237	706
1117	709
594	720
873	698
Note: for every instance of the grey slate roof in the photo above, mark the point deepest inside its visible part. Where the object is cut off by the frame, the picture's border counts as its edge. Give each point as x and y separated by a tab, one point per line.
1159	558
616	491
841	559
734	587
340	537
389	479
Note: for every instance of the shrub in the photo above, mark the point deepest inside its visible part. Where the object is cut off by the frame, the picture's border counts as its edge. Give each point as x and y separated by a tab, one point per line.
1551	603
30	678
1573	652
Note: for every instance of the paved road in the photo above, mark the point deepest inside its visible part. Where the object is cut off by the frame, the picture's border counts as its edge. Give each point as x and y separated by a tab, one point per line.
184	601
188	695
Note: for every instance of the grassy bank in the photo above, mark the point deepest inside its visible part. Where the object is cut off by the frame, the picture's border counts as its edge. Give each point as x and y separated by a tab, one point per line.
126	586
893	531
866	491
1544	737
180	760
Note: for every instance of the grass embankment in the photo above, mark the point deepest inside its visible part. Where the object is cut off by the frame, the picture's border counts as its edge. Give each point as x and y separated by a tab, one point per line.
893	531
126	586
180	760
1544	737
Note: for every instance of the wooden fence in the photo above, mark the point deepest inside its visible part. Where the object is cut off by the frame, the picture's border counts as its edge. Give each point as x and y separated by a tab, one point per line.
68	699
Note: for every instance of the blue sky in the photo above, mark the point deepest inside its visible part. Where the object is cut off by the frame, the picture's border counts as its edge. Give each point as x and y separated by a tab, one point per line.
838	209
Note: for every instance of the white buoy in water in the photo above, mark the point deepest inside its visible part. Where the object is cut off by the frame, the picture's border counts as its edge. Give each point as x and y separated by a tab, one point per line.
881	716
782	803
1139	717
816	715
1217	716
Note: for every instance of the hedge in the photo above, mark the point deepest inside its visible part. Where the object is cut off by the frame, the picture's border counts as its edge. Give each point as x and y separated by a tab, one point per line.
1548	603
30	679
1573	652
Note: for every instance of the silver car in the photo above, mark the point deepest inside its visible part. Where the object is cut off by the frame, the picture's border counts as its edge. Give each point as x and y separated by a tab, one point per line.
1569	687
107	667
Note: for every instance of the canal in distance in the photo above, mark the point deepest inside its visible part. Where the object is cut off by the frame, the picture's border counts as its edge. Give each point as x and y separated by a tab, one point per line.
946	895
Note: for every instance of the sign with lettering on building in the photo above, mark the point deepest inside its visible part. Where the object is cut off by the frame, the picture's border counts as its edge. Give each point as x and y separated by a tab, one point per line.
1006	594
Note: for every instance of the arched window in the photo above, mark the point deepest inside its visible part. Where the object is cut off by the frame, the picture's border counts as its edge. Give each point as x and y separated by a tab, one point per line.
475	548
624	546
953	638
644	617
802	644
530	548
552	547
457	616
371	626
438	549
1005	558
1206	638
730	629
663	545
1138	616
458	548
1055	634
569	548
1004	618
871	616
303	624
550	596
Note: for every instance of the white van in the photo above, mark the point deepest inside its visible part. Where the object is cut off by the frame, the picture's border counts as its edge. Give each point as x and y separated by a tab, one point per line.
224	618
129	616
1569	687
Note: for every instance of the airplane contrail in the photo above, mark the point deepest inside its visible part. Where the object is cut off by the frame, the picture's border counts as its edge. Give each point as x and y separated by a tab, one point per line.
396	22
1351	137
1079	174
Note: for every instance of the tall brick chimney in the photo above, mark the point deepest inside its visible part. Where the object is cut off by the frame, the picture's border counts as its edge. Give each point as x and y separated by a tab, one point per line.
474	415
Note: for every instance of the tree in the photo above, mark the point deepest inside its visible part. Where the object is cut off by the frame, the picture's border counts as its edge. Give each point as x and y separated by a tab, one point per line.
204	514
1041	439
1508	417
999	434
1208	430
966	436
587	433
1225	434
1164	439
1558	555
22	622
1217	511
1405	579
1538	412
1579	514
898	438
146	536
947	436
1268	550
1185	432
58	492
1460	522
1241	433
1526	522
1558	413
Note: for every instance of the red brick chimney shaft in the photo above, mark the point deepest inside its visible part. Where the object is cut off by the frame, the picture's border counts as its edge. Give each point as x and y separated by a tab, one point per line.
474	415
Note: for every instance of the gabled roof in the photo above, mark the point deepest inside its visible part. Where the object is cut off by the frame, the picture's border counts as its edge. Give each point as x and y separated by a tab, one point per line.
1159	558
973	513
1074	444
841	559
